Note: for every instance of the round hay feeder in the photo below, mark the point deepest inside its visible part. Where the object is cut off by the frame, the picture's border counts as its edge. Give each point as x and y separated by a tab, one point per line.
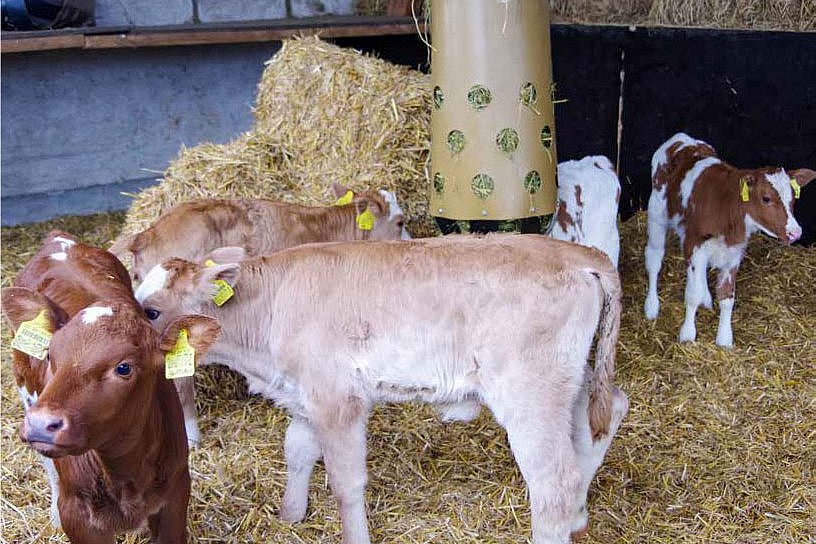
492	125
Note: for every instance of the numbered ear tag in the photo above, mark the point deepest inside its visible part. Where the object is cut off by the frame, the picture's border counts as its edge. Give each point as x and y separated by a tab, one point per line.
225	292
365	220
32	337
345	199
744	191
797	190
180	361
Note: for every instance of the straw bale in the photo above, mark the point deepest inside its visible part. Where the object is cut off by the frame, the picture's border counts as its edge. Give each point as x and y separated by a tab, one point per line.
323	114
717	447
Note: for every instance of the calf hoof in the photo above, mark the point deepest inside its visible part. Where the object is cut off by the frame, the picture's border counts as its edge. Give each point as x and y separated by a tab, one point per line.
651	308
292	513
725	342
579	534
687	334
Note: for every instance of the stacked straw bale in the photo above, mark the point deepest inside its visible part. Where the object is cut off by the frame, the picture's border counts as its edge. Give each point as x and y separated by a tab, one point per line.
323	114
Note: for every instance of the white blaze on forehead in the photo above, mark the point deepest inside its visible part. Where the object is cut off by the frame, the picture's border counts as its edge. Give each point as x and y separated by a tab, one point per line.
154	281
59	256
64	243
687	185
781	182
393	208
92	313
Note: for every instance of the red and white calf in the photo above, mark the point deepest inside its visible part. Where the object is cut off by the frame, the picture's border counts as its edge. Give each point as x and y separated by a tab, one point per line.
587	213
330	330
97	403
714	208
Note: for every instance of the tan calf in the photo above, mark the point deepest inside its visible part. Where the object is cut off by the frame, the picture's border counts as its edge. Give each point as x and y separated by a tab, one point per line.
329	330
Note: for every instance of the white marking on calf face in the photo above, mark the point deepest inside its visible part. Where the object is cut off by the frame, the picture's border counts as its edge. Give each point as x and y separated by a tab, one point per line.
394	210
64	243
781	182
92	313
59	256
687	185
29	399
154	281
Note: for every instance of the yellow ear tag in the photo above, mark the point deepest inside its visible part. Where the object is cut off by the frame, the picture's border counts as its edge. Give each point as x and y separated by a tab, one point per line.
746	195
32	337
225	290
797	190
365	220
345	199
180	361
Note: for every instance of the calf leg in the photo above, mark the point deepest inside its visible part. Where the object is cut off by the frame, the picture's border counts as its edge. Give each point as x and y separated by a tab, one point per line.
538	429
343	441
302	452
169	525
695	293
726	283
186	393
655	250
590	454
79	531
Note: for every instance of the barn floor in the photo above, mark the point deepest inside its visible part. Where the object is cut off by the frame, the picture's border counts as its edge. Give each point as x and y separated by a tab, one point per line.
717	446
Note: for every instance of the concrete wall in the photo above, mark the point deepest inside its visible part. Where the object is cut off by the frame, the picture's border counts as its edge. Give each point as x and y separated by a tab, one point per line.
79	127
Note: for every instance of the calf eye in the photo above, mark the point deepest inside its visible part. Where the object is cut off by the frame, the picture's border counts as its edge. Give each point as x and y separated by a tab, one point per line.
766	199
400	224
152	314
123	369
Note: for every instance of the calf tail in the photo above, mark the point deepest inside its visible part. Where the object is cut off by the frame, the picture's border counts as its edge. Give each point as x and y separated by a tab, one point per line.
602	385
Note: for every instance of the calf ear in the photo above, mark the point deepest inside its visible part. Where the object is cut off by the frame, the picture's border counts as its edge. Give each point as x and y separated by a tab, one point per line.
803	176
122	245
21	304
228	254
229	272
202	332
339	189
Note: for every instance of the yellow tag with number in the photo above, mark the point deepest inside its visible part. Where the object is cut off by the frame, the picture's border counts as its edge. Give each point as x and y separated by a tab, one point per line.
797	190
365	220
225	292
345	199
180	362
744	191
32	337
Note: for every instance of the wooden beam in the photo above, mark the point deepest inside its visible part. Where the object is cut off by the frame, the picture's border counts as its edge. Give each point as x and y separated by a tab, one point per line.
16	42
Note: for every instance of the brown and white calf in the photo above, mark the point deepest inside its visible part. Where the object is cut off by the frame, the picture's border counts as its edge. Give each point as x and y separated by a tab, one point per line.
192	229
98	406
587	212
329	330
714	208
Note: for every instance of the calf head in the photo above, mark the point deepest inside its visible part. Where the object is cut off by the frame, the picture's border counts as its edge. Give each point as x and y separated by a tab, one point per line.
767	196
178	287
388	217
103	370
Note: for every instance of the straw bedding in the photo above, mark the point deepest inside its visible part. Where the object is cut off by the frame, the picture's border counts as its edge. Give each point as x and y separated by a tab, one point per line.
717	446
747	14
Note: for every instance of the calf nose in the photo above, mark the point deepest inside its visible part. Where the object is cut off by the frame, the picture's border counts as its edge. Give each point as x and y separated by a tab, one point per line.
794	235
41	426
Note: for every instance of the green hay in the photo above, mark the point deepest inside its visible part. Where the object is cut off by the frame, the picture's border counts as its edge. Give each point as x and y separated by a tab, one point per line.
507	140
439	183
479	97
482	185
438	97
528	94
532	182
456	141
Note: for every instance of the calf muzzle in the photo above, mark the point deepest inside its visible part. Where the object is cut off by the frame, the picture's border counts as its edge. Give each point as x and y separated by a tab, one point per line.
45	431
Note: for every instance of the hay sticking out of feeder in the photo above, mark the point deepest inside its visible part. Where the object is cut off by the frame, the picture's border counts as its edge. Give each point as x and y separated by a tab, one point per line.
717	443
507	140
323	114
